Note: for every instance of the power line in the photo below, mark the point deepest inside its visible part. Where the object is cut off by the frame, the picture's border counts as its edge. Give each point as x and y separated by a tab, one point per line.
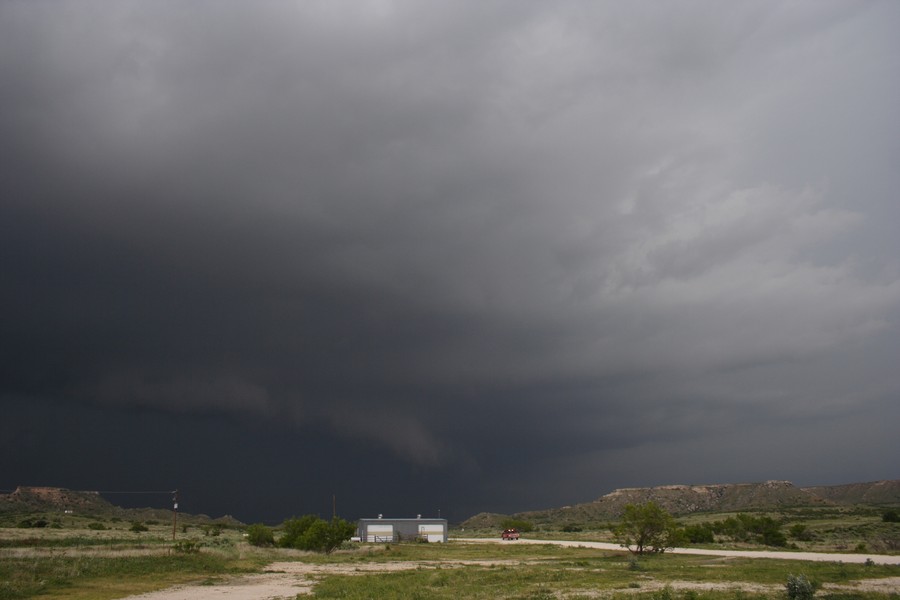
130	492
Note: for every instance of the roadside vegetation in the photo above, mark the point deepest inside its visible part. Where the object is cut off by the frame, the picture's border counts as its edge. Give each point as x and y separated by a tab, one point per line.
536	572
816	529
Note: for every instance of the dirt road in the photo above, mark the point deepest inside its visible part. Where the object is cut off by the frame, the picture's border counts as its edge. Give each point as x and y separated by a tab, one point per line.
881	559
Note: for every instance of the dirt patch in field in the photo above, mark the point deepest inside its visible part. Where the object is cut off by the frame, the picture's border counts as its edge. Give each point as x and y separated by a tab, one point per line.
285	580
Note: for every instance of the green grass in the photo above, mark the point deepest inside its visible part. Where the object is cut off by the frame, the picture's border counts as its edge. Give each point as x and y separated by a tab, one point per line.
96	565
550	572
78	563
58	573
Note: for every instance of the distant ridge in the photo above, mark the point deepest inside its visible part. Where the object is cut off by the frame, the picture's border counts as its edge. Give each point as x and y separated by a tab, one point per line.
874	492
37	499
53	498
688	499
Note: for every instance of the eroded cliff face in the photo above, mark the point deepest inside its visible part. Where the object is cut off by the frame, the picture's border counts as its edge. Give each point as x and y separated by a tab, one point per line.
686	499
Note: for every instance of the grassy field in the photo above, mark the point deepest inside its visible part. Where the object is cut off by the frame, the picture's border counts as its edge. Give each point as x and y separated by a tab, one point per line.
78	560
538	572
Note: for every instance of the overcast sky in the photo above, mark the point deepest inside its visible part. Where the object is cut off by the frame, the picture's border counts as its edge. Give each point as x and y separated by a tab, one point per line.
453	256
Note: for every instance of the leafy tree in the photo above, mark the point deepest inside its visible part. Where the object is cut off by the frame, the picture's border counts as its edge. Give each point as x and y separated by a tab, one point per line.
326	537
647	528
312	533
699	534
745	528
260	535
294	529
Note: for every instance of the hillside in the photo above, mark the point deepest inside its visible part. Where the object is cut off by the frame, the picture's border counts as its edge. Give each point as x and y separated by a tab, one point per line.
41	499
27	500
687	499
872	493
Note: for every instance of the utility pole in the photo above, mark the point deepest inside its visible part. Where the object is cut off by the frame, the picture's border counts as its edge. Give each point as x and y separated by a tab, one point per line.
174	513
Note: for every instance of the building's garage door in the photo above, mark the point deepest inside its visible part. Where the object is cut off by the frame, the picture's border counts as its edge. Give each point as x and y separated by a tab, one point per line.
433	533
380	533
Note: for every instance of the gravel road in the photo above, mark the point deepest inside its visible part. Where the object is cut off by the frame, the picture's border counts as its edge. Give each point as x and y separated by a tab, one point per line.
881	559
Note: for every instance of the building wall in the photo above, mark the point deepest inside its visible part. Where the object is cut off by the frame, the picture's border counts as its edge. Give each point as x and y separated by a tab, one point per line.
401	530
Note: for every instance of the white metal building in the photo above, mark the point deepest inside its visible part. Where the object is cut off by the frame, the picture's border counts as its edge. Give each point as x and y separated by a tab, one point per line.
402	530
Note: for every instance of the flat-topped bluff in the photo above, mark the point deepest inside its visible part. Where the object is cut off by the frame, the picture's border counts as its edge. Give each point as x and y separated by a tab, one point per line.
683	499
54	498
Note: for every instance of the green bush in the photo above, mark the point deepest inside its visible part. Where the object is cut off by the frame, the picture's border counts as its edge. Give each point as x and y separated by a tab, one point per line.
800	532
96	526
312	533
745	528
699	534
138	527
891	516
187	547
260	535
29	523
800	588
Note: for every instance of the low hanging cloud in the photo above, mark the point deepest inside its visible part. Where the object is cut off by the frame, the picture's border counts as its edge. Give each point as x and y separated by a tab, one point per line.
406	224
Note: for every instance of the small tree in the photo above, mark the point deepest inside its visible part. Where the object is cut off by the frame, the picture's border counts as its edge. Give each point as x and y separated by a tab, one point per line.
260	535
327	537
312	533
294	529
646	528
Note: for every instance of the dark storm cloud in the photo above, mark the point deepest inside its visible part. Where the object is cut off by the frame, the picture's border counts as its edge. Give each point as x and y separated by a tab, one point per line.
611	229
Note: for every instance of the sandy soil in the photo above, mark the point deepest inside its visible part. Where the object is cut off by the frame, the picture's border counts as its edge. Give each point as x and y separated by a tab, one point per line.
284	580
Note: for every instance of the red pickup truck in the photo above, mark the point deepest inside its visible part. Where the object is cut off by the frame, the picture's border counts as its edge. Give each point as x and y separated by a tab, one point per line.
509	534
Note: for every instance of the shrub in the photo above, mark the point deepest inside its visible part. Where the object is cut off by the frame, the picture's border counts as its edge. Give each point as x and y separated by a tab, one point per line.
260	535
664	594
699	534
96	526
312	533
800	588
294	529
891	516
571	528
28	523
800	532
187	547
138	527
